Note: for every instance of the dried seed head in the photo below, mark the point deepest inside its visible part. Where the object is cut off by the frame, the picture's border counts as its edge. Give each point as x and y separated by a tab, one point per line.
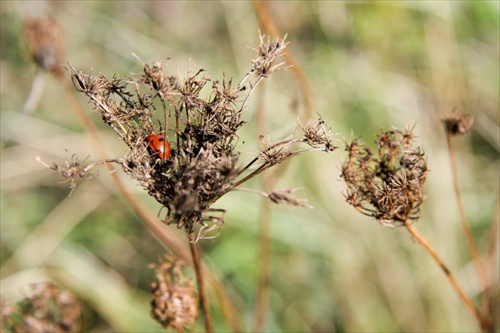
317	134
458	123
48	310
45	43
268	51
201	127
174	303
389	186
73	171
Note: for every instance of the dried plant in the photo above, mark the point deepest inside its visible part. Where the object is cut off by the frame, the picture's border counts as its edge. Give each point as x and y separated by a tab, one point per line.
48	310
457	123
175	301
389	185
205	115
45	43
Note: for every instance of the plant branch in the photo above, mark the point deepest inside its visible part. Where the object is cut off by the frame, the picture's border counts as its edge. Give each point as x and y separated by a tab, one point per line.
467	301
264	252
198	267
465	226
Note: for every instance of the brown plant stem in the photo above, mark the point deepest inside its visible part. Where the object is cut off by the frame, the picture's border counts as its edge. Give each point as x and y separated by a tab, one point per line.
264	260
200	278
467	301
465	226
264	256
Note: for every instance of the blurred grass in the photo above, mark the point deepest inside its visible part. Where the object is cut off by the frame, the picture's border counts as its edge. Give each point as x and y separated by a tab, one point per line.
369	64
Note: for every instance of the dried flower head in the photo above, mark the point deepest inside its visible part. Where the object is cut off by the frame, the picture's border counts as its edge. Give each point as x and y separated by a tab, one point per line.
48	310
268	51
45	43
388	185
174	303
73	171
457	123
317	134
199	118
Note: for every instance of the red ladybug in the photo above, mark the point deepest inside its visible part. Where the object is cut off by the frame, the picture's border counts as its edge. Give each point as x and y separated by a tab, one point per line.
159	146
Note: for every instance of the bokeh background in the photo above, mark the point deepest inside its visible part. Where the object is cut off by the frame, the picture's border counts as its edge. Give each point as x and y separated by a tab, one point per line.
368	65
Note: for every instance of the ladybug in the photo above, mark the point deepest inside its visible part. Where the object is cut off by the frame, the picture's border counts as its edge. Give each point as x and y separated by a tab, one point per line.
159	146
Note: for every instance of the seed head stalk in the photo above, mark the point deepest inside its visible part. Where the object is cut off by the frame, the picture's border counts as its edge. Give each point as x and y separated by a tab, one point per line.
422	241
202	294
463	220
466	229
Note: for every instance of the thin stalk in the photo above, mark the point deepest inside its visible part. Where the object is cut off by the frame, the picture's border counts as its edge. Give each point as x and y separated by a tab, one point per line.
264	260
465	226
200	278
467	301
264	254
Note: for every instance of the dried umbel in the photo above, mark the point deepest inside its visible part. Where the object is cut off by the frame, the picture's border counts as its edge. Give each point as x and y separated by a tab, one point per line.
48	310
200	118
457	123
175	301
45	43
387	185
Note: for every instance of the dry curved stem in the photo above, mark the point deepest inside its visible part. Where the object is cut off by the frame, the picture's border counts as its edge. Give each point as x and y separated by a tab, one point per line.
200	278
468	233
467	301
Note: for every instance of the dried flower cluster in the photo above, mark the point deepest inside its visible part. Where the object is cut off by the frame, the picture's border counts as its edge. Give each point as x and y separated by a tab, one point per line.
48	310
457	123
200	118
73	170
388	185
45	43
175	302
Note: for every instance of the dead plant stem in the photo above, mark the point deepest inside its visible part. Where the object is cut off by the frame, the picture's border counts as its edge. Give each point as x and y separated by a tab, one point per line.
467	301
264	256
465	226
200	278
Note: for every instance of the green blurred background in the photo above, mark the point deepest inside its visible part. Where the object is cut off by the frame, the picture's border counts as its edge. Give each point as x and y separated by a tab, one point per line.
369	65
